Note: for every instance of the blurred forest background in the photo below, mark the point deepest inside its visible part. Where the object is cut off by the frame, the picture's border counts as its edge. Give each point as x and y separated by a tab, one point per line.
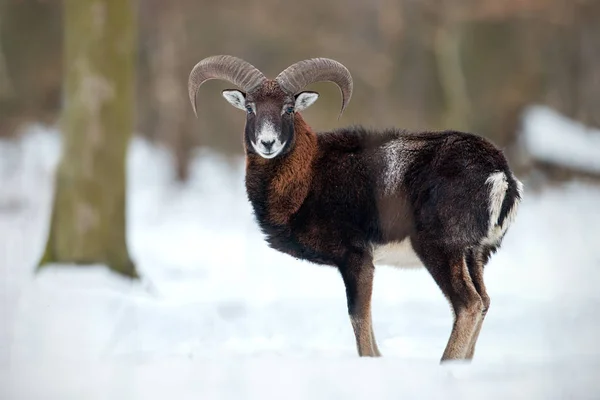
121	174
418	64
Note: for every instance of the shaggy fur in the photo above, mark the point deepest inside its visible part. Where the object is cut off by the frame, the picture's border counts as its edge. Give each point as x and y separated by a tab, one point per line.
335	196
328	197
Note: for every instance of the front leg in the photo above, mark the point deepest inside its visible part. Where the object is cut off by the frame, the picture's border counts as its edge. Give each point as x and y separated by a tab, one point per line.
358	273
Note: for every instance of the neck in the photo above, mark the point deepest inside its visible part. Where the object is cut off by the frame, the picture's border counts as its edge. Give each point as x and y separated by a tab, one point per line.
288	177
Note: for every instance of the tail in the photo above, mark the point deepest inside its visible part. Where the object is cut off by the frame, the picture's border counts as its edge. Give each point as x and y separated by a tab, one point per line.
505	196
512	197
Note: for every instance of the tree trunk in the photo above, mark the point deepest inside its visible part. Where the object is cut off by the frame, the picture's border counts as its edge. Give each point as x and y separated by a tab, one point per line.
88	223
169	77
451	75
6	90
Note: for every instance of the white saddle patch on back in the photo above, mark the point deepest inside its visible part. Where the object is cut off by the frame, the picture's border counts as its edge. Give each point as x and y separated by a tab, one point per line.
396	254
394	166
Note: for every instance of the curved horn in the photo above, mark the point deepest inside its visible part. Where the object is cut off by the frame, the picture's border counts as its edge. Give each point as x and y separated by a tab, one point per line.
232	69
301	74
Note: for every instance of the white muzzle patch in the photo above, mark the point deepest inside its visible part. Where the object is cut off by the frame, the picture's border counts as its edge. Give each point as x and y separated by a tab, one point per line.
267	143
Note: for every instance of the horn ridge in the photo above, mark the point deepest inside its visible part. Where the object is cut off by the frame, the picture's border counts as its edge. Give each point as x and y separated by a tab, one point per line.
301	74
228	68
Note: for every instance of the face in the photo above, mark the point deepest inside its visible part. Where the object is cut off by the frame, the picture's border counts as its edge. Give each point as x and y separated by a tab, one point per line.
269	117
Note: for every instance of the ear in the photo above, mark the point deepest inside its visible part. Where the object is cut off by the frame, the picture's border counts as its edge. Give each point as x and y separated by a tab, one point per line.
305	100
235	98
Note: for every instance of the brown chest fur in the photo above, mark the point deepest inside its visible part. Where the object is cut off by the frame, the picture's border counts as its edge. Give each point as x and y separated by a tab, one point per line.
290	176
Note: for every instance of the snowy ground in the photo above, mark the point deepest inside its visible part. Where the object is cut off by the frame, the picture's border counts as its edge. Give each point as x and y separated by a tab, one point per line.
222	316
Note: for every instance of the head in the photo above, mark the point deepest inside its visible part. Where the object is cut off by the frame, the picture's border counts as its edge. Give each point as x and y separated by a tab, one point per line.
270	105
270	116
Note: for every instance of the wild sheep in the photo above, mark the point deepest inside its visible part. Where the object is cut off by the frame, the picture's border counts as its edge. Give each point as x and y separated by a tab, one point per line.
350	196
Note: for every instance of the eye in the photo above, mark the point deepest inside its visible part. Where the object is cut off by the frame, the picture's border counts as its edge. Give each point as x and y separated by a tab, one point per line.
289	110
249	109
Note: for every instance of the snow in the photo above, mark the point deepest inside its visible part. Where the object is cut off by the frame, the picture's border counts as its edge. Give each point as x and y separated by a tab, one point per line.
552	137
220	315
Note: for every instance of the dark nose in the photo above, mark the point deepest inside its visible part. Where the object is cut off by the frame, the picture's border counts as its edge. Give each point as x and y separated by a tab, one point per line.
267	144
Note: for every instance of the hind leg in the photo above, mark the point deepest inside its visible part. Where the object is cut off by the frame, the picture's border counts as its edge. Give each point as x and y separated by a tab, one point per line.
476	260
450	272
